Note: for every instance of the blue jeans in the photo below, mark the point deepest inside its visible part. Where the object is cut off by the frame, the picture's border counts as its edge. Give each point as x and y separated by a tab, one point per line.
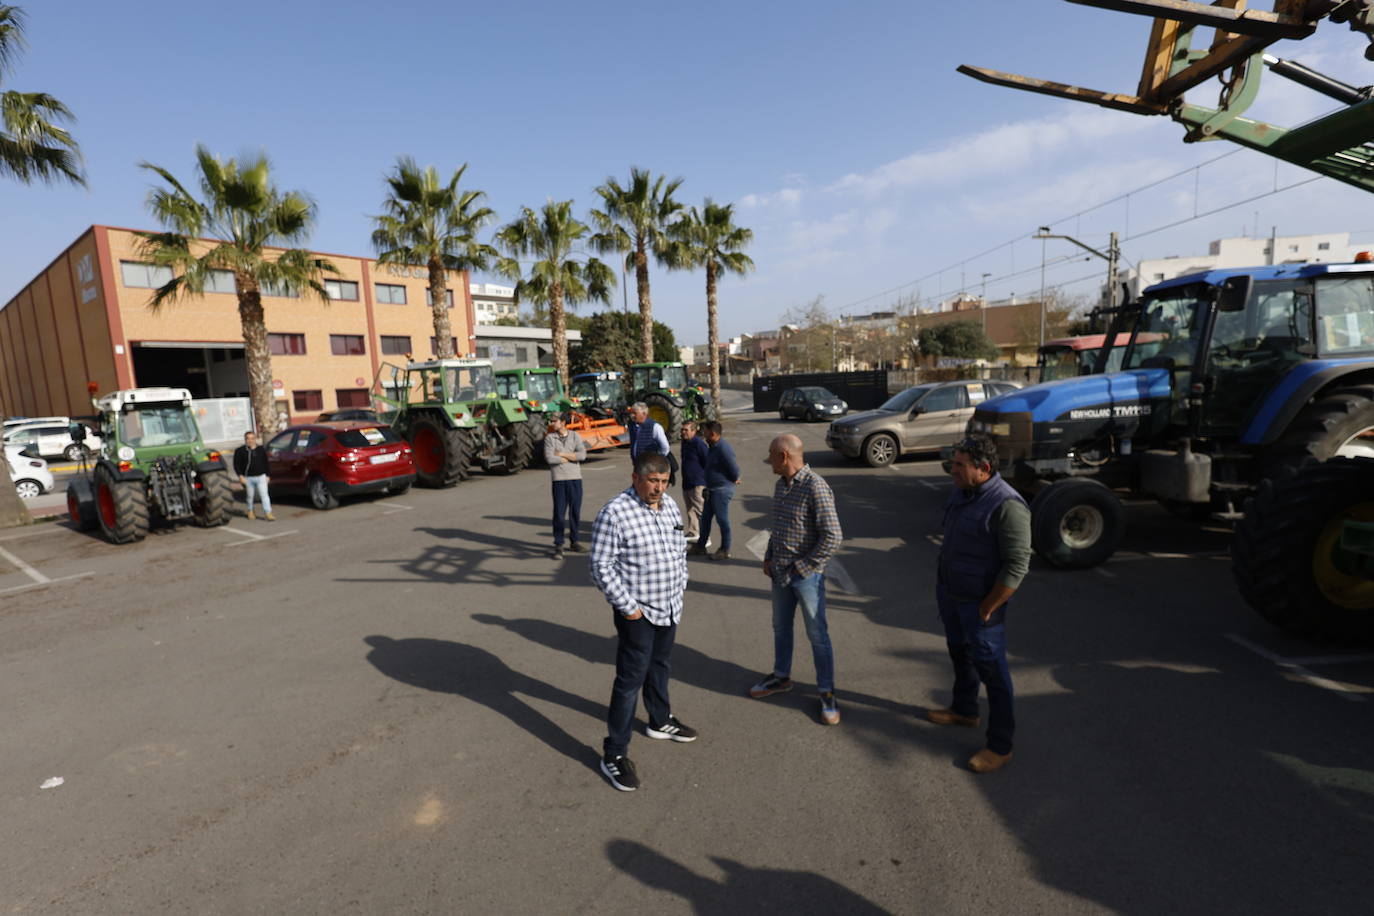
718	508
809	593
642	662
258	483
567	504
979	653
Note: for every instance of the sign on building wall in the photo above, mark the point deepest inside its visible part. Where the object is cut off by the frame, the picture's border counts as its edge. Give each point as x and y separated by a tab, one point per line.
223	419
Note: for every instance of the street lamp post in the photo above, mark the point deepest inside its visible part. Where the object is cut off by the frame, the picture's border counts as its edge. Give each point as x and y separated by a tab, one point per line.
1112	257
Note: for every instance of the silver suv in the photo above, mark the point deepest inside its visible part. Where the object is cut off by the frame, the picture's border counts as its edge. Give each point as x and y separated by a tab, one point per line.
921	419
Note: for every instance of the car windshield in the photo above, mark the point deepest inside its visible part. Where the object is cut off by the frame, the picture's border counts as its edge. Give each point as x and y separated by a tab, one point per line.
818	394
361	438
542	387
150	426
906	399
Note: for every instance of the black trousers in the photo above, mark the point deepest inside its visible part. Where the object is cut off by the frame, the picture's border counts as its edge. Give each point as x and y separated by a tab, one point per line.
642	663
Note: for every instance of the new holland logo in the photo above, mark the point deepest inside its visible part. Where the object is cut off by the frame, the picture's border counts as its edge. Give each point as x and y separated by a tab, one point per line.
1105	413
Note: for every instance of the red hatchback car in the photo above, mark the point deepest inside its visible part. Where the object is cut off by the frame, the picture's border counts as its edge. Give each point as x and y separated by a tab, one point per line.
343	458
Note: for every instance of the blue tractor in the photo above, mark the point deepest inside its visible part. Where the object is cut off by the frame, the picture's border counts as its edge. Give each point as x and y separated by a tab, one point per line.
1229	378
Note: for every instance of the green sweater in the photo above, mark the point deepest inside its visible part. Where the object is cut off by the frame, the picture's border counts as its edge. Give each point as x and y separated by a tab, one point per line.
1011	520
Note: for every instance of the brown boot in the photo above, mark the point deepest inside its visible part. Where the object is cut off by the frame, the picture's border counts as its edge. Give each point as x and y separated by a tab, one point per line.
950	717
249	514
986	761
270	517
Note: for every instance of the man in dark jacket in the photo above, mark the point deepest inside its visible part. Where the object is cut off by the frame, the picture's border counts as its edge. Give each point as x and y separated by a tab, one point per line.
983	558
694	452
722	476
250	463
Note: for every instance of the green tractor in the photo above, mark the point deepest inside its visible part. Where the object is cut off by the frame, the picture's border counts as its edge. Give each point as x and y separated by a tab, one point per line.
152	467
539	390
454	419
670	397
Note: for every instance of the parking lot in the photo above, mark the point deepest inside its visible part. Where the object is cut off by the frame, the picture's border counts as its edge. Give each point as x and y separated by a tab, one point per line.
398	706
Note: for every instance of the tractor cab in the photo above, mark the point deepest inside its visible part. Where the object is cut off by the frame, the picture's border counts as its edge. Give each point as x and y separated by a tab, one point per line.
669	378
1070	357
670	396
140	425
540	389
602	391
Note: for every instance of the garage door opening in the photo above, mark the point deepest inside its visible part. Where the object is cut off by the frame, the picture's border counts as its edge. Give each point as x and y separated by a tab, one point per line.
207	370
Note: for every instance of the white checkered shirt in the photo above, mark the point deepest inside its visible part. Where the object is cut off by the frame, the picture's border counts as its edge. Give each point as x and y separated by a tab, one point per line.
639	557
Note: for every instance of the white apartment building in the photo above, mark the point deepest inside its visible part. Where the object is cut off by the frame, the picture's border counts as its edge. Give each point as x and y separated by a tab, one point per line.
1330	247
492	302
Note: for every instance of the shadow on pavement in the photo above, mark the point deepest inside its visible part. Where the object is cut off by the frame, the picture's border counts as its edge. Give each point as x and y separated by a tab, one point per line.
478	675
740	888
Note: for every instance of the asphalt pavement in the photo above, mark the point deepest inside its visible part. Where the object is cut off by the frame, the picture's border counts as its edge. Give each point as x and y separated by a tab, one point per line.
398	705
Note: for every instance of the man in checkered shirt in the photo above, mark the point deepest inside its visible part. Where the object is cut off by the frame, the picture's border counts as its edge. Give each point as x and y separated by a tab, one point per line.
639	562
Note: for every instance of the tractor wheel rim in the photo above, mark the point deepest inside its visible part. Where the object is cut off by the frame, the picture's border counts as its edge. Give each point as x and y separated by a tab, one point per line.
883	450
1360	445
1081	527
659	415
1340	588
429	451
105	500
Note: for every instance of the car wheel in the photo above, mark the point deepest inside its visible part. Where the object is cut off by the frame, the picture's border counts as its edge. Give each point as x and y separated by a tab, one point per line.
782	415
28	489
320	497
75	452
811	416
880	450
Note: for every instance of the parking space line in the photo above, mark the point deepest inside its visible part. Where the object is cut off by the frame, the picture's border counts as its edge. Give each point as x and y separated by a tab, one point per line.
43	529
397	507
1297	670
1332	659
23	567
256	537
1104	572
46	581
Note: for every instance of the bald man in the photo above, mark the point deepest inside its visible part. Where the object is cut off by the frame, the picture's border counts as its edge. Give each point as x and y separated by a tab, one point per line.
805	535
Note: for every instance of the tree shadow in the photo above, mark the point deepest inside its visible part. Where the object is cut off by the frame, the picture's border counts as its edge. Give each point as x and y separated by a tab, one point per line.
480	676
740	889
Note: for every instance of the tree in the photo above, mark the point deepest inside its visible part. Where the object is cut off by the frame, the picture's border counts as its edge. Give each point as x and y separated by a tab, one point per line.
635	219
611	340
556	277
32	148
242	214
32	145
808	341
957	340
708	238
430	222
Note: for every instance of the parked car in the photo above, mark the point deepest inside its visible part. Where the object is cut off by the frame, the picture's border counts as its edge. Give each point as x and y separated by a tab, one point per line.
325	461
29	472
811	404
921	419
52	438
365	414
12	422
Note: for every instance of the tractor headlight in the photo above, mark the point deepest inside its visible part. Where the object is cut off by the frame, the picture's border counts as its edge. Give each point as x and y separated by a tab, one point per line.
126	453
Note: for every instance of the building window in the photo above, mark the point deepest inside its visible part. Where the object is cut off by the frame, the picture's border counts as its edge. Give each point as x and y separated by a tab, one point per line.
138	275
484	352
342	290
391	293
352	397
1323	246
308	400
395	345
1159	277
346	344
1292	248
429	300
522	354
280	291
286	344
221	281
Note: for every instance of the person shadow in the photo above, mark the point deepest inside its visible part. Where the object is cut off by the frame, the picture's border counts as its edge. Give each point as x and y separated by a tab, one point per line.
480	676
741	889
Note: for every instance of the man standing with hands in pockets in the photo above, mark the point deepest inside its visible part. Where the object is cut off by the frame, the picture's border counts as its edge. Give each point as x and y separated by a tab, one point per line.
640	565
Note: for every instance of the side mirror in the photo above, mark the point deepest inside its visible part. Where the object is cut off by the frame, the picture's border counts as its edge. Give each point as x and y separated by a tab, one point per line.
916	411
1234	293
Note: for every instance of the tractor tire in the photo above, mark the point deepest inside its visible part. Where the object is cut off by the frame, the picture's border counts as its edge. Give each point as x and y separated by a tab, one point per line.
81	503
121	507
666	414
518	453
539	426
213	509
442	456
1076	523
1283	555
709	412
880	450
320	496
1339	425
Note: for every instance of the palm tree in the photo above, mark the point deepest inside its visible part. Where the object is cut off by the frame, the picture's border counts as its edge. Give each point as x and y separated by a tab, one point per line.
432	223
243	214
708	238
32	146
635	220
557	277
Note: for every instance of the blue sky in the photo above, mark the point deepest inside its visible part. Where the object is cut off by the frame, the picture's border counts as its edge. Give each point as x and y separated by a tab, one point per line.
850	146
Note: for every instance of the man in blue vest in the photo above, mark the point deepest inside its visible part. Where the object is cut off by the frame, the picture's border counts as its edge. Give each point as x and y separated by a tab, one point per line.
646	436
983	558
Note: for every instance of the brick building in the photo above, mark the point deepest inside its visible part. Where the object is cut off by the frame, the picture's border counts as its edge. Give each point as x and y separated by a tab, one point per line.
85	318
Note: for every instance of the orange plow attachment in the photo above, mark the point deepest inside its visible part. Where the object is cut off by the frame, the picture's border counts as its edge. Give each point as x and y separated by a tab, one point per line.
596	434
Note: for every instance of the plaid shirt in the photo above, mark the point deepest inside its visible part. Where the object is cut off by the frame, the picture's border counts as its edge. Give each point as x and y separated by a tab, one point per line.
639	557
806	530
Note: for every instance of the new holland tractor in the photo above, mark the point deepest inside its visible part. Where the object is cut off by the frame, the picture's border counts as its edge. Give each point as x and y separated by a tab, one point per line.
454	419
1228	378
152	467
541	393
665	390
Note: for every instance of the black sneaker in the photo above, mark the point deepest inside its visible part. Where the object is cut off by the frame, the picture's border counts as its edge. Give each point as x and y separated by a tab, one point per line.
558	552
576	547
672	730
769	686
621	772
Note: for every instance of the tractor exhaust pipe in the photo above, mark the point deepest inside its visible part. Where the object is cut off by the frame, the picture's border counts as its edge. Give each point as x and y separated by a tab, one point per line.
1320	82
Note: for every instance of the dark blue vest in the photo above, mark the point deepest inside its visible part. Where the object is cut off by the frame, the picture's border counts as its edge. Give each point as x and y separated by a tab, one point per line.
642	437
969	557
